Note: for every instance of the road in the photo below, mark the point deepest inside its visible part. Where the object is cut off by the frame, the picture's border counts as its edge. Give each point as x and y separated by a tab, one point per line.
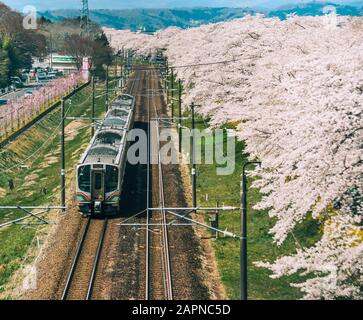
16	95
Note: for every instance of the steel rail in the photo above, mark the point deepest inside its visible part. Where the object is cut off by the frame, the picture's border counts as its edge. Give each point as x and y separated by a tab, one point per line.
134	92
147	256
80	248
165	245
75	261
96	261
147	235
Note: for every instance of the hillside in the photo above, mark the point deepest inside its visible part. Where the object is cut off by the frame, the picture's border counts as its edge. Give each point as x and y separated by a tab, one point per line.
317	9
154	19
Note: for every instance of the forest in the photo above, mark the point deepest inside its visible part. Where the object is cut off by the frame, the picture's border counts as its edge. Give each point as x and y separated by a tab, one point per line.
18	46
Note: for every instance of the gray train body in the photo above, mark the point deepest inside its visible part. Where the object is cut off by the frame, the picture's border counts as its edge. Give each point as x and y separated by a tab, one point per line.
100	172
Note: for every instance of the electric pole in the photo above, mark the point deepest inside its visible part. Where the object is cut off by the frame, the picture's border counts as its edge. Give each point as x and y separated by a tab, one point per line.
167	85
51	51
107	89
84	21
243	247
180	116
116	72
63	178
172	94
194	173
93	106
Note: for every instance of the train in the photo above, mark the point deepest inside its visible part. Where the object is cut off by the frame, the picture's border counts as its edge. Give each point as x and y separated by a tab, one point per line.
101	169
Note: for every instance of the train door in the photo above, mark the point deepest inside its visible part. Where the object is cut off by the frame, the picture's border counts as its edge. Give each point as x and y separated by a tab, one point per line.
98	185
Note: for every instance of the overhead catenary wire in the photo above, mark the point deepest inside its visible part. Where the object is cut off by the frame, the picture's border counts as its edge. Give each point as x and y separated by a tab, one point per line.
195	65
49	140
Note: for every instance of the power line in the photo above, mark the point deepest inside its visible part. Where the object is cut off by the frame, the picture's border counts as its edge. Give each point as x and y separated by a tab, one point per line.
50	139
203	64
194	65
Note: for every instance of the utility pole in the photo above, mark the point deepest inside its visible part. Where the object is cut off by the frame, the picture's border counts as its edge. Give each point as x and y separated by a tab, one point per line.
194	173
243	247
180	116
93	106
116	72
122	73
51	50
107	89
63	178
172	94
167	85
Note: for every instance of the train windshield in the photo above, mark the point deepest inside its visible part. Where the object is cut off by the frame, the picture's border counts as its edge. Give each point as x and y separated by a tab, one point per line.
84	178
111	180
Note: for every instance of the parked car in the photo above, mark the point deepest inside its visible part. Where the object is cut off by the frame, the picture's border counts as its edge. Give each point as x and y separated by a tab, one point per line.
3	102
52	75
41	76
16	81
25	76
28	93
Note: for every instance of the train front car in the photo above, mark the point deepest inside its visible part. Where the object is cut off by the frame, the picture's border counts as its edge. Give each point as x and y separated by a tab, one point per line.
101	169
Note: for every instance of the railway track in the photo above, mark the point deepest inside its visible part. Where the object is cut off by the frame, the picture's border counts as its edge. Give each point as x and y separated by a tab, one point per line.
82	275
158	265
81	278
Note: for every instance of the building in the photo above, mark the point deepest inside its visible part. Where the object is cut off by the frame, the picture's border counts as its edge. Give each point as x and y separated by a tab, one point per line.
66	64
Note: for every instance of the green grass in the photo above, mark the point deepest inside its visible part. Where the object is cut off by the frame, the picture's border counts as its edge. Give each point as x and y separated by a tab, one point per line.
226	190
15	240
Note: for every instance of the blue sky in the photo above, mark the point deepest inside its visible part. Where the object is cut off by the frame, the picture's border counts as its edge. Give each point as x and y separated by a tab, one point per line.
124	4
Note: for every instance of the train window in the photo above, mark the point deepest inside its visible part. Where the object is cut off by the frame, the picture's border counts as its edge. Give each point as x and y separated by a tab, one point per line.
111	178
84	178
98	181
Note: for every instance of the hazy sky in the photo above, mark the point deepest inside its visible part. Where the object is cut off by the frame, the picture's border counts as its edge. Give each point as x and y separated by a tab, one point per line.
123	4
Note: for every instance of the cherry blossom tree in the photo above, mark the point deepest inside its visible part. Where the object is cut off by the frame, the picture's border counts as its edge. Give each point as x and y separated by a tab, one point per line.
16	114
296	89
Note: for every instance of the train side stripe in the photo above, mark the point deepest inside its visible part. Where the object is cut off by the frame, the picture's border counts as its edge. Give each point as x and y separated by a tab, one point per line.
83	196
113	195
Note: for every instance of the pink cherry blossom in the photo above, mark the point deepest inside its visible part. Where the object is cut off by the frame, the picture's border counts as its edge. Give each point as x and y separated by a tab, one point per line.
296	89
15	114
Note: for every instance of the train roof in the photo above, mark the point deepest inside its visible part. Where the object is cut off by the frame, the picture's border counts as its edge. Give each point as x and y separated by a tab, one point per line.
109	141
123	100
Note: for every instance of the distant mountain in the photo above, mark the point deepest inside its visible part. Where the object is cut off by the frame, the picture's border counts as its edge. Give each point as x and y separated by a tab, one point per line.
318	9
153	19
156	19
358	4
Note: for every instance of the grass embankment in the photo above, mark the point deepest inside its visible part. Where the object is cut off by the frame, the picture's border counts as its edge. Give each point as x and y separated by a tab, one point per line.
32	162
226	191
